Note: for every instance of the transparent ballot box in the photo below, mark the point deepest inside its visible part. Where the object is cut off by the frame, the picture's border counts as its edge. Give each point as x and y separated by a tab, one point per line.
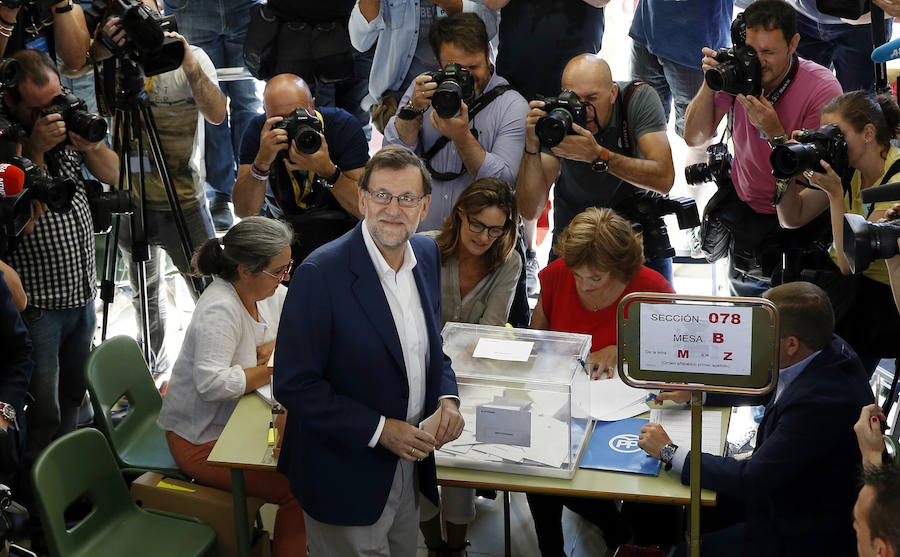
525	397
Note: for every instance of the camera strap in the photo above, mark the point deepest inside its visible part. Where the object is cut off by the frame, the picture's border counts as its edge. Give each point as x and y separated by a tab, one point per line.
623	100
477	106
782	88
302	191
868	207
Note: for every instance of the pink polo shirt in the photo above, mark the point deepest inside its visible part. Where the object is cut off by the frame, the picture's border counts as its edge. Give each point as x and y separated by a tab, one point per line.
800	107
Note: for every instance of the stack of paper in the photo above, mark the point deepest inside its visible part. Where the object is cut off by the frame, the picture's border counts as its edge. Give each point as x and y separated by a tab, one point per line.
677	424
612	399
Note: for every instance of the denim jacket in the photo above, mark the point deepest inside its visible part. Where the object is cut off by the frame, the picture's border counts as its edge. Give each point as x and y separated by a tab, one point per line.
397	31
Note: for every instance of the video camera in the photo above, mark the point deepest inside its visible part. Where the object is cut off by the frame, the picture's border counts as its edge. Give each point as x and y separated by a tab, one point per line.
648	209
104	204
145	41
864	241
21	181
739	71
716	169
303	130
826	143
77	118
562	112
455	85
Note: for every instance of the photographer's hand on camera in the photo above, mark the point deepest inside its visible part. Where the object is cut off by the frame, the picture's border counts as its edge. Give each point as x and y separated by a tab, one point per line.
762	115
582	147
828	181
47	133
701	118
536	112
456	128
37	209
318	162
422	92
271	142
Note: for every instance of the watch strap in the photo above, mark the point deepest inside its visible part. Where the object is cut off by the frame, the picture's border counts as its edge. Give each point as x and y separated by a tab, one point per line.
62	9
409	112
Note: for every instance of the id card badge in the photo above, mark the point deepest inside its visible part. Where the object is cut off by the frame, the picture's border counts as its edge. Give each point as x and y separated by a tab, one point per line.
135	164
39	43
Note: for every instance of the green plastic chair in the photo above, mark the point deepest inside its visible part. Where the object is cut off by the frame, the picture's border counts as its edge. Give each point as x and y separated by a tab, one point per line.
116	369
80	467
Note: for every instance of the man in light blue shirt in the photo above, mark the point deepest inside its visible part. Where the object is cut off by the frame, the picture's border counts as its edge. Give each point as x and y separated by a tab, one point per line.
401	29
487	145
797	490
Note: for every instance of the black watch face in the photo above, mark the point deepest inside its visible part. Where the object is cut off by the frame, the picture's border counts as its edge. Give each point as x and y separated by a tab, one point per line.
600	165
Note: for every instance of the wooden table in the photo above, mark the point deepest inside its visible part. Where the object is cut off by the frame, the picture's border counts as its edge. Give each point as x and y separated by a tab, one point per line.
243	445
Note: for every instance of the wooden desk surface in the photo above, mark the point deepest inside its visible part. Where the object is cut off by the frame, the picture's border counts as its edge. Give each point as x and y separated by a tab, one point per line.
244	444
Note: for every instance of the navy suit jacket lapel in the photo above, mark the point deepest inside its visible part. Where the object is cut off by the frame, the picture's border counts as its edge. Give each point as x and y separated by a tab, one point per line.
370	295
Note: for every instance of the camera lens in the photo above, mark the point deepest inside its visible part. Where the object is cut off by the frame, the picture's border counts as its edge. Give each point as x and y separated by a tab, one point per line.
307	140
698	173
447	99
866	241
552	128
718	77
790	160
87	125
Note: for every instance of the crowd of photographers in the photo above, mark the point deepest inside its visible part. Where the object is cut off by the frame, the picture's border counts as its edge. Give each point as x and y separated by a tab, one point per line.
790	203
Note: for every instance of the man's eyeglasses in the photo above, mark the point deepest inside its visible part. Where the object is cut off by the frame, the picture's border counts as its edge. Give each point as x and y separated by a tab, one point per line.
284	274
477	227
405	200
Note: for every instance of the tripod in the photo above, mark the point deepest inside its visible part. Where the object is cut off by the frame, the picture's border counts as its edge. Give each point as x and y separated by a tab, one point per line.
133	116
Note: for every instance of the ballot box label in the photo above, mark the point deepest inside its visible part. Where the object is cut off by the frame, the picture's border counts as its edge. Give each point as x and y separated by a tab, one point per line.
504	426
694	338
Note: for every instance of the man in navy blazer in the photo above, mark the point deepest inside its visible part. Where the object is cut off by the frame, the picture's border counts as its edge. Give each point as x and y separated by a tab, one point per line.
796	492
359	364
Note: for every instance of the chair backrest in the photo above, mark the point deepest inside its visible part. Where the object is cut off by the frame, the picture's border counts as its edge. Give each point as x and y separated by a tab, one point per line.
79	466
116	369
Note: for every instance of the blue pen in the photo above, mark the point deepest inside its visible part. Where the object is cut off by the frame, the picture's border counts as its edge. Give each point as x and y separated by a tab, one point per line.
651	396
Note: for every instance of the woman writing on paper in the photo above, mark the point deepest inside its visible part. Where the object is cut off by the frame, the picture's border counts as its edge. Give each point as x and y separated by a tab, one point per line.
600	262
479	270
226	347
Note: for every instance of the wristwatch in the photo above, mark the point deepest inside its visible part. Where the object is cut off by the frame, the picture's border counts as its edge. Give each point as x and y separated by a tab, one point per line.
330	181
410	112
667	453
601	163
778	140
8	412
62	9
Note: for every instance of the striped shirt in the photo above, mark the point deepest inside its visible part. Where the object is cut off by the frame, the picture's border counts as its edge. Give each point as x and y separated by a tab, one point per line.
56	261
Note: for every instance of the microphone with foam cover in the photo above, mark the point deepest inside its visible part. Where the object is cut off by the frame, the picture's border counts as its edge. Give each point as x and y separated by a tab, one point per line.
12	180
886	52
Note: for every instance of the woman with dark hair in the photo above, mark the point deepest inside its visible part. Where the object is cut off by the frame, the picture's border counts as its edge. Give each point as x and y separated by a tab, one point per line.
600	261
865	317
225	354
479	270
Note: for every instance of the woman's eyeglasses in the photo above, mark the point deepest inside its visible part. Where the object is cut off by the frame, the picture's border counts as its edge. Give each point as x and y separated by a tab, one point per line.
284	274
477	227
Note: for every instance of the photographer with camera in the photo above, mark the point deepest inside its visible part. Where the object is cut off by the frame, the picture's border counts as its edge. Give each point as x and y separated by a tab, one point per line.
56	261
301	164
28	24
578	136
770	91
464	120
866	124
181	100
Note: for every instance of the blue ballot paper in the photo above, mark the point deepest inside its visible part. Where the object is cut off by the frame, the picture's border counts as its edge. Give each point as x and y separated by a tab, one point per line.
614	447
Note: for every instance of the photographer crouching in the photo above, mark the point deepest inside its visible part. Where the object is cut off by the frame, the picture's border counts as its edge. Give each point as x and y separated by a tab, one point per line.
301	164
180	100
857	129
56	260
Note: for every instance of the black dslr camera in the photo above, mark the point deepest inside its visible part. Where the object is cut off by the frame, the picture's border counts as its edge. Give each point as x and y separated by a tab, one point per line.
739	71
145	42
77	118
15	210
826	143
455	85
562	112
647	210
716	169
303	129
104	203
865	242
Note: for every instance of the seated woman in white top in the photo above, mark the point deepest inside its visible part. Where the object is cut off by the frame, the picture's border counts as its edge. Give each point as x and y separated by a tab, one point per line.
225	353
479	270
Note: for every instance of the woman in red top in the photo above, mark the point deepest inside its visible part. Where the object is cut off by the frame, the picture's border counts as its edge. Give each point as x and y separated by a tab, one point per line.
600	261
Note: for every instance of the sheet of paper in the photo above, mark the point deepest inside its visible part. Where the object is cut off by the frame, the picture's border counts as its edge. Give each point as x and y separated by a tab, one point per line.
508	350
266	393
610	396
431	423
549	441
677	424
503	425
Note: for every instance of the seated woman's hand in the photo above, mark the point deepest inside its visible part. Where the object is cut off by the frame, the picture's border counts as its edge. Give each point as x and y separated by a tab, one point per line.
680	397
264	353
602	363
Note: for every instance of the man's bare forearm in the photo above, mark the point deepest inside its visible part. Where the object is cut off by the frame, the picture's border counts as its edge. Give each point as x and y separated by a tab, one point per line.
345	191
700	118
209	98
408	130
103	163
532	189
71	37
249	194
649	174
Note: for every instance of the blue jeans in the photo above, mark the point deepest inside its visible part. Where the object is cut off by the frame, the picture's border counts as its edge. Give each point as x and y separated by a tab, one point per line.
62	340
847	48
219	28
162	233
673	82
